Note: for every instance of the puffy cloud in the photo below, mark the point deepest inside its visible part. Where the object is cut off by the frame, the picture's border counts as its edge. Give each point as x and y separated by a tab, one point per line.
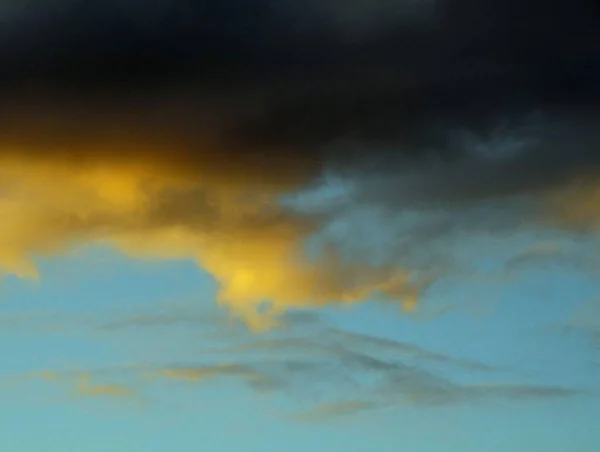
172	129
251	245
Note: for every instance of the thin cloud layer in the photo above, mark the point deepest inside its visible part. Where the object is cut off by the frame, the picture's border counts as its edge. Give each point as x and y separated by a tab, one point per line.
585	322
318	371
172	129
86	388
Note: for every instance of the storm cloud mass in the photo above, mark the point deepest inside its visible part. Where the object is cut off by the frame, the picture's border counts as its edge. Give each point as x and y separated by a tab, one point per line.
290	79
175	126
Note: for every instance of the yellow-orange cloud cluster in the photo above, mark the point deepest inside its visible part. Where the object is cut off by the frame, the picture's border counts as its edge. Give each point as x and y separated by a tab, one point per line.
233	227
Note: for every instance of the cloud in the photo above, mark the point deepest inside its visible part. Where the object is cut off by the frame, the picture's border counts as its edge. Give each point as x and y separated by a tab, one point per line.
323	372
340	344
218	372
80	384
319	367
197	317
331	411
253	248
585	322
576	256
172	130
346	383
84	388
277	76
165	319
314	389
320	372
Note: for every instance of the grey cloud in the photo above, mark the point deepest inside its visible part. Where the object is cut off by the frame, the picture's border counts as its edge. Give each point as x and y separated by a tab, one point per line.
324	371
584	323
159	320
201	318
374	382
590	333
578	258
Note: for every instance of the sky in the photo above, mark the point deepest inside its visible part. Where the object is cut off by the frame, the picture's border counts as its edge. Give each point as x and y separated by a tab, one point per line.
326	225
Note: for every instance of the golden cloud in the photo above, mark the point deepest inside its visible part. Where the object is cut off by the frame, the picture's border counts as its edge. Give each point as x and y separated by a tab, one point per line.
84	388
202	373
231	225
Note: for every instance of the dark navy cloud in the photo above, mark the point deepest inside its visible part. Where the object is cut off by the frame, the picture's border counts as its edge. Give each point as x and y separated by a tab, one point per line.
319	83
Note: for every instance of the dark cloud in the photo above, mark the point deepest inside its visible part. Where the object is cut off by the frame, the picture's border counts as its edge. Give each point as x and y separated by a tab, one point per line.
286	80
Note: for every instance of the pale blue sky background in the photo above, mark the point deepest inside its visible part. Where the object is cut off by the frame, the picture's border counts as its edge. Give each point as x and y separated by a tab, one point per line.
69	322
